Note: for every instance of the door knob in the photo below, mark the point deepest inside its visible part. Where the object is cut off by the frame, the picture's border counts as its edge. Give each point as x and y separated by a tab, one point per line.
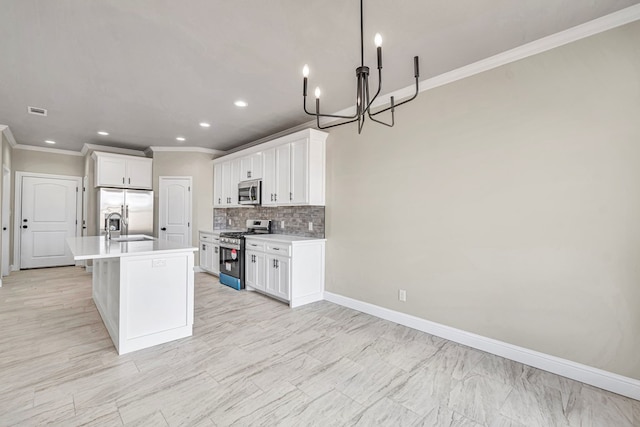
164	229
4	228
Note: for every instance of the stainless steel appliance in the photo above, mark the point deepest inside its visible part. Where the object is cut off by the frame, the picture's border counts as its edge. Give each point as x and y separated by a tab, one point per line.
250	192
232	252
134	206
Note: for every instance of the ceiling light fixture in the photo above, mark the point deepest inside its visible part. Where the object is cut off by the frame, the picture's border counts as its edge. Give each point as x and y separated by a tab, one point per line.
48	141
181	139
241	104
103	133
363	100
205	124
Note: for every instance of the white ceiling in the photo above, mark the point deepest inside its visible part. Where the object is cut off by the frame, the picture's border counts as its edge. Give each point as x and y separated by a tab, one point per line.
150	70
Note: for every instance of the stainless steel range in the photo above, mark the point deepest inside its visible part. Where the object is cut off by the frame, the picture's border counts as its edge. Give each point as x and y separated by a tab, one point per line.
232	252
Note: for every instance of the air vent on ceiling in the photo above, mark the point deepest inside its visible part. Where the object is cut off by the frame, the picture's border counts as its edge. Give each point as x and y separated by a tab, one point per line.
37	111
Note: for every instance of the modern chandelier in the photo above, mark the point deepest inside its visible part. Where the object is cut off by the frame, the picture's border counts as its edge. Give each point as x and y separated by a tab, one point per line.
363	100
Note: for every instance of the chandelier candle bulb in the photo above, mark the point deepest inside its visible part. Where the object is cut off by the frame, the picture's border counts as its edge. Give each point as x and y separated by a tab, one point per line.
305	74
317	93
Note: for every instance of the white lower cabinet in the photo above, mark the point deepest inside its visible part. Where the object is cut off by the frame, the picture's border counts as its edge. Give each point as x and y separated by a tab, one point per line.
255	276
210	252
279	277
288	268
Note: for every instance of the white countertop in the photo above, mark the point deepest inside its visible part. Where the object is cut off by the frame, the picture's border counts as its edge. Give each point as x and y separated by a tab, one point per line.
94	247
284	238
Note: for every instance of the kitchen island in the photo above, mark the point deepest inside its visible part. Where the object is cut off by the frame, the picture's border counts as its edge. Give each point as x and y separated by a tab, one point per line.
142	287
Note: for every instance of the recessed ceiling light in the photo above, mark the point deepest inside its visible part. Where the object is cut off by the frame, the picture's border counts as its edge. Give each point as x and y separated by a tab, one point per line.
205	124
103	133
48	141
181	138
241	103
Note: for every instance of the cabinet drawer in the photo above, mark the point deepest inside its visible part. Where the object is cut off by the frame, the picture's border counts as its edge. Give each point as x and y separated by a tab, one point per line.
205	237
255	246
279	248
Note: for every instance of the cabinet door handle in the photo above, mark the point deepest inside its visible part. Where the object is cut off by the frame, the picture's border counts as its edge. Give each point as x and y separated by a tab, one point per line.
164	229
123	179
277	264
275	197
290	196
129	180
204	248
249	174
24	226
216	249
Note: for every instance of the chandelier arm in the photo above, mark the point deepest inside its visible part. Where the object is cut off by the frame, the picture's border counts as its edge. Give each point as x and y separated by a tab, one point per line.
332	116
304	106
334	125
393	115
400	103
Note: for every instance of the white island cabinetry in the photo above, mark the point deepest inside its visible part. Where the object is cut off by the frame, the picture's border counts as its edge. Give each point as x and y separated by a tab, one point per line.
143	290
289	268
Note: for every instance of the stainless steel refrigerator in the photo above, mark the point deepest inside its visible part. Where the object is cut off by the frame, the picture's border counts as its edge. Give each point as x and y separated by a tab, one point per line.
135	206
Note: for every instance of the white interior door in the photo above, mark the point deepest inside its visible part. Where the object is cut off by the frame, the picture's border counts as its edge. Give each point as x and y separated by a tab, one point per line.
6	212
175	209
48	215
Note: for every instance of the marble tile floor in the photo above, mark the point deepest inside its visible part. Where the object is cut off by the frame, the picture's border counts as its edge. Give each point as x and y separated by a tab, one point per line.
255	361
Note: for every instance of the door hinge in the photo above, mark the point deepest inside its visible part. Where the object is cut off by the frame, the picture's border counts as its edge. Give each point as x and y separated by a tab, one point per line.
76	222
189	188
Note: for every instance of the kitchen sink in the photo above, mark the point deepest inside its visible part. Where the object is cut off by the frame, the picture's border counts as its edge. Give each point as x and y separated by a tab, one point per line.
134	238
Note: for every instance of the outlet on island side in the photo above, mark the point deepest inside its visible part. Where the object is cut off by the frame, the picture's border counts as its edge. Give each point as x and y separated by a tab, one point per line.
310	226
282	224
402	295
229	221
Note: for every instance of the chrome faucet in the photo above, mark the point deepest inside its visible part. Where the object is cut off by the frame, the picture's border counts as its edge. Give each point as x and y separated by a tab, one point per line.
108	227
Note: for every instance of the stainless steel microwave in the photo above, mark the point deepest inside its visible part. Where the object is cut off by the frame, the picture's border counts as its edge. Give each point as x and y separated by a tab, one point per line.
250	192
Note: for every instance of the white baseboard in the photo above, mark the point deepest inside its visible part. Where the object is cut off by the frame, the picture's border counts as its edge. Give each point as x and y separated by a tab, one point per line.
625	386
14	268
197	269
0	283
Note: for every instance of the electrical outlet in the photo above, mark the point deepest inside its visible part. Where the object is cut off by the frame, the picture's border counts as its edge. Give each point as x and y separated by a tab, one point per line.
229	221
310	226
402	295
281	224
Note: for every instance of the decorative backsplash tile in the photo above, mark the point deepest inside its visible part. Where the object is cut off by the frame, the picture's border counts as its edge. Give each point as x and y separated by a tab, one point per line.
296	219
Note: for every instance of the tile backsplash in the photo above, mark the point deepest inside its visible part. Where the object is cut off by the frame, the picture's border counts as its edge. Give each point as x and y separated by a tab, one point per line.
296	219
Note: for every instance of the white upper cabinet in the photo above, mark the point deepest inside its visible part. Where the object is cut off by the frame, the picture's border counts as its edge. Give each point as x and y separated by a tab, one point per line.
226	177
292	169
251	167
117	170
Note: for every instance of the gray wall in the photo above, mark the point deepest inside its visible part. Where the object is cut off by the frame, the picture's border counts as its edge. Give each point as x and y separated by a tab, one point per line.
506	204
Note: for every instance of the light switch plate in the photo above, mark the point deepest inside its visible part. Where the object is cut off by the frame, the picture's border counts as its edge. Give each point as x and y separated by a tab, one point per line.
310	226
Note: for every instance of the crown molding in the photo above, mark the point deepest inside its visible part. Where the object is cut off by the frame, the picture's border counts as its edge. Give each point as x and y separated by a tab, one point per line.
86	148
579	32
47	150
186	149
7	134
